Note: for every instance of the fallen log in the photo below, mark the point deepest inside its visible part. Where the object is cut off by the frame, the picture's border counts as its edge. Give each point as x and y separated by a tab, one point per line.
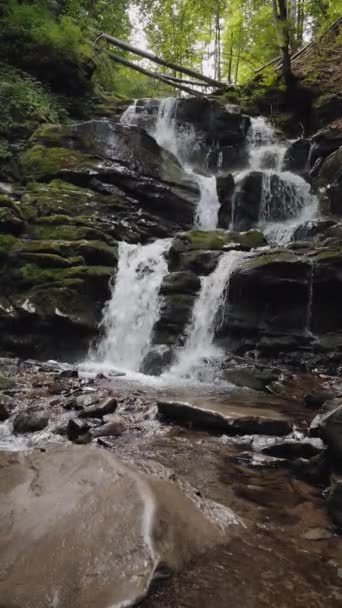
168	64
138	68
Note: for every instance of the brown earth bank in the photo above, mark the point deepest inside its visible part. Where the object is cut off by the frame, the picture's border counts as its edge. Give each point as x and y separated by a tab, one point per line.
267	507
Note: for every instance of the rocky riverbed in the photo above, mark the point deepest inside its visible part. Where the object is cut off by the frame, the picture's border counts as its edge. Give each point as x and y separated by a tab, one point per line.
253	484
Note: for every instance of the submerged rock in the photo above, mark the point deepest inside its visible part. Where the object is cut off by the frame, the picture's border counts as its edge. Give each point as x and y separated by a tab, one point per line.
231	420
251	376
30	421
97	410
125	527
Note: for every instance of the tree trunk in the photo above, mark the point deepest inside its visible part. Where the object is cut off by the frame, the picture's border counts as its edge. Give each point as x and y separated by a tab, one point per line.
283	36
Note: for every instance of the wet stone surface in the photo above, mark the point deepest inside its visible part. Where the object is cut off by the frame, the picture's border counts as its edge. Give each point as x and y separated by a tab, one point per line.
287	552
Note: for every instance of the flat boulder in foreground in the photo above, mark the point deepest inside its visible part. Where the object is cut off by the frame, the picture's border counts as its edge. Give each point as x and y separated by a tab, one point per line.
80	528
221	417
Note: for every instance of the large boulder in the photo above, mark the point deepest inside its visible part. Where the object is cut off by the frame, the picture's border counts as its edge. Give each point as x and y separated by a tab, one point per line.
268	298
127	158
297	156
330	179
326	310
81	528
324	143
247	201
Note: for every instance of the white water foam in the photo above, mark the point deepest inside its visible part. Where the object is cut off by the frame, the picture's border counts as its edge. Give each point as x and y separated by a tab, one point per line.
286	199
133	309
207	318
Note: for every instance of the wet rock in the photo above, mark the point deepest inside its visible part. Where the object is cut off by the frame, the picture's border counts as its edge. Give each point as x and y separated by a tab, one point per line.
7	405
313	230
225	190
108	406
225	419
316	399
78	431
113	427
69	373
180	282
325	142
334	501
329	427
297	156
291	449
30	421
317	534
247	201
88	500
157	360
251	376
330	178
258	309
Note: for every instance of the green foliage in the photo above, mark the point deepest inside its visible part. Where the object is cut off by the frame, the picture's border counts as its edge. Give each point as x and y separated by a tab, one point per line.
24	104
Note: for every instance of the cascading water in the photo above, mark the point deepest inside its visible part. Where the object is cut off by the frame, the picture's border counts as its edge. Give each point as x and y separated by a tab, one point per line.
133	309
207	317
180	142
286	198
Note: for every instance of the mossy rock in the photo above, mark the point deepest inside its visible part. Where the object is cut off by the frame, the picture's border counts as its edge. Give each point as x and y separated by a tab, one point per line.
32	274
8	244
63	302
10	223
41	162
93	252
267	259
50	260
68	232
219	239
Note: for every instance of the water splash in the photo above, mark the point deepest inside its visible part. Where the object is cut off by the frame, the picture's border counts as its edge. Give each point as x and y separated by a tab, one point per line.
207	317
287	201
133	309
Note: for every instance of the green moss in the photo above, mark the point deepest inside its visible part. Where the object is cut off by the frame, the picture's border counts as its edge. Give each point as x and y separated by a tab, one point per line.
275	257
32	274
218	239
50	260
65	232
94	252
7	244
40	162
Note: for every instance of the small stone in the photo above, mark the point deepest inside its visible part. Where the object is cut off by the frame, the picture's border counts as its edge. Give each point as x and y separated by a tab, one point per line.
108	406
317	534
69	373
30	422
76	429
116	426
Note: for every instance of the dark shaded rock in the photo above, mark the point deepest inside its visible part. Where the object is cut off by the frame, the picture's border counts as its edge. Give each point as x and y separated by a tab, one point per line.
316	399
78	431
334	501
69	373
174	316
108	406
30	421
112	428
297	156
247	201
326	310
180	282
268	301
330	178
157	360
251	376
329	427
220	419
225	191
324	143
293	449
314	229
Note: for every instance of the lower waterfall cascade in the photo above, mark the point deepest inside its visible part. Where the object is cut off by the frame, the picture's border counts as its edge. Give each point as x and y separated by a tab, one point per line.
134	308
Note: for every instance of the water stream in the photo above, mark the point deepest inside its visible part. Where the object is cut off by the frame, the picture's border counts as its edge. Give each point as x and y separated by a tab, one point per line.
133	309
206	318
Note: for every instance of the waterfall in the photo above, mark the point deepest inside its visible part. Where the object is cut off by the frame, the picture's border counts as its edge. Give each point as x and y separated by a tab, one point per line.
180	142
133	309
207	316
286	198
